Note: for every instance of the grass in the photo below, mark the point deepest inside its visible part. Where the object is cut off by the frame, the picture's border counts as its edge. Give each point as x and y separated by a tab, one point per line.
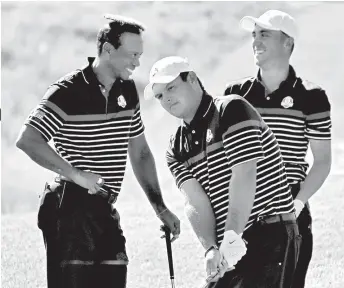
23	262
41	41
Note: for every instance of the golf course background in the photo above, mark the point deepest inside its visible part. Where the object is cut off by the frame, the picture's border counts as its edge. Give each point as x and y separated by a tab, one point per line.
42	41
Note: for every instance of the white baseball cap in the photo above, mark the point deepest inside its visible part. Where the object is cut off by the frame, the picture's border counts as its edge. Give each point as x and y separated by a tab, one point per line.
272	20
165	71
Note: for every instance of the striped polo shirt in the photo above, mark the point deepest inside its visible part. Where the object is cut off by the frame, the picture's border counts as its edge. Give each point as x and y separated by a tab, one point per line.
225	132
296	112
88	130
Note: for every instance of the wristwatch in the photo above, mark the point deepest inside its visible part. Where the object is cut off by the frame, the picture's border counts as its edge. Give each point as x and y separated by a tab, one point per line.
210	248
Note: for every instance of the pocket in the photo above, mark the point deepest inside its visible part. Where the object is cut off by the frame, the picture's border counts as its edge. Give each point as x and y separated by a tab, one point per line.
49	205
298	243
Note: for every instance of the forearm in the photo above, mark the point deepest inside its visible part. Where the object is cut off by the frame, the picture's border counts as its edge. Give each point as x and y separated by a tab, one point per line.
199	213
41	153
314	180
146	174
242	189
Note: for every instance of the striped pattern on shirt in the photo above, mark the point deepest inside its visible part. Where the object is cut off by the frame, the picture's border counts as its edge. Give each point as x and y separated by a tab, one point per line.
96	143
234	143
294	126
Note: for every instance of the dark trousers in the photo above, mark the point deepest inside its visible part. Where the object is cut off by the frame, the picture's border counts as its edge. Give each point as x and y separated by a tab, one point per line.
305	227
270	259
85	246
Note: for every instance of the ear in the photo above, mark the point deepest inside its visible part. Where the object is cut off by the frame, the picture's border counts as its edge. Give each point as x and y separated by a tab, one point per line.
192	77
288	43
107	48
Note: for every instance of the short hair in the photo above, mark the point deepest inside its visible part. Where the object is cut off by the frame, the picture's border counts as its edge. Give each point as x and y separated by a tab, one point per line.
112	31
184	76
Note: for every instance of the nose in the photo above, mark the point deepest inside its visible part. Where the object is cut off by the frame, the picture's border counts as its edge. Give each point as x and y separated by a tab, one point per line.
136	62
256	41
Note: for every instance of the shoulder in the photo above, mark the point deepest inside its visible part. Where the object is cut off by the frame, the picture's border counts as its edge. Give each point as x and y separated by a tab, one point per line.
60	92
236	85
71	80
234	108
66	83
312	93
309	87
232	101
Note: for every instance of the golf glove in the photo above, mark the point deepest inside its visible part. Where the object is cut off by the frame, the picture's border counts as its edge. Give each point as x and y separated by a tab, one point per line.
299	205
232	248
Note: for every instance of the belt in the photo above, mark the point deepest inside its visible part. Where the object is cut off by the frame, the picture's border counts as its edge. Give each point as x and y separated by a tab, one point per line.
106	193
269	219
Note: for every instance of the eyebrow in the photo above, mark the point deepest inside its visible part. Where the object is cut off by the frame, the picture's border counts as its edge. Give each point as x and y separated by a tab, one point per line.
169	85
262	31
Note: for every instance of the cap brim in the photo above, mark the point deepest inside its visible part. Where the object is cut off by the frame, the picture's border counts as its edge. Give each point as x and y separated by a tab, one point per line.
148	91
248	23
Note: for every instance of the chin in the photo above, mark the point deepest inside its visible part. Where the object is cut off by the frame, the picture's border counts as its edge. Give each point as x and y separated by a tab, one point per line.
124	76
258	62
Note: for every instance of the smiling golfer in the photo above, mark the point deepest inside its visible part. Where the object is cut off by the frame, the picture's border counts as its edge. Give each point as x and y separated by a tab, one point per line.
297	111
229	168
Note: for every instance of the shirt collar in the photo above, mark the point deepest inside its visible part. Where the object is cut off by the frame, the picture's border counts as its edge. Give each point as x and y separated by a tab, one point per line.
88	73
204	111
290	81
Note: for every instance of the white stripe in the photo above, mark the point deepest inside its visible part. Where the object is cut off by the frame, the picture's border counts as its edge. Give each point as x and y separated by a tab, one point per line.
107	123
280	119
47	133
52	115
64	144
91	141
226	139
226	170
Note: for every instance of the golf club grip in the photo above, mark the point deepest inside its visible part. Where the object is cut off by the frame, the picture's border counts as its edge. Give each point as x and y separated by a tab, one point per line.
169	251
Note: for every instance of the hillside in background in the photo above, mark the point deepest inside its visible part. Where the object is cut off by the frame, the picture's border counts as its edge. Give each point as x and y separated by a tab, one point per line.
41	41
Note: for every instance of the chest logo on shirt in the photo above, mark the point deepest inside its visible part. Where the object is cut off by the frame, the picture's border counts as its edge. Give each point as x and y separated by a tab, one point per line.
121	101
210	136
287	102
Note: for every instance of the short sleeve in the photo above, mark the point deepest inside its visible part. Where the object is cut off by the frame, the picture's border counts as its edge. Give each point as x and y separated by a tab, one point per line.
48	117
242	132
178	169
318	116
136	128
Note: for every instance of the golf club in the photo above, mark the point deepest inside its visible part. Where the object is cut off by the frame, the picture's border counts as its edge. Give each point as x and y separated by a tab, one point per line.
169	252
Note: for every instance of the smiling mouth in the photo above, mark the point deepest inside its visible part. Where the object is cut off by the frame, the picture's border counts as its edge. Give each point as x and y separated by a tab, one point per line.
258	52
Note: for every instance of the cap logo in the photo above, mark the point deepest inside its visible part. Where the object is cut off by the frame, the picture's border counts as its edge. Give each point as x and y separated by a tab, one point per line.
121	101
287	102
155	71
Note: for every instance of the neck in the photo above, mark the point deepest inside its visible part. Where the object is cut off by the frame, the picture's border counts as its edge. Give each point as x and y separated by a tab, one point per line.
272	77
103	73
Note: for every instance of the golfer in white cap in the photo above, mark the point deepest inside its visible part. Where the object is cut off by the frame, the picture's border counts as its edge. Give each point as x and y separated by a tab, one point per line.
296	110
228	166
